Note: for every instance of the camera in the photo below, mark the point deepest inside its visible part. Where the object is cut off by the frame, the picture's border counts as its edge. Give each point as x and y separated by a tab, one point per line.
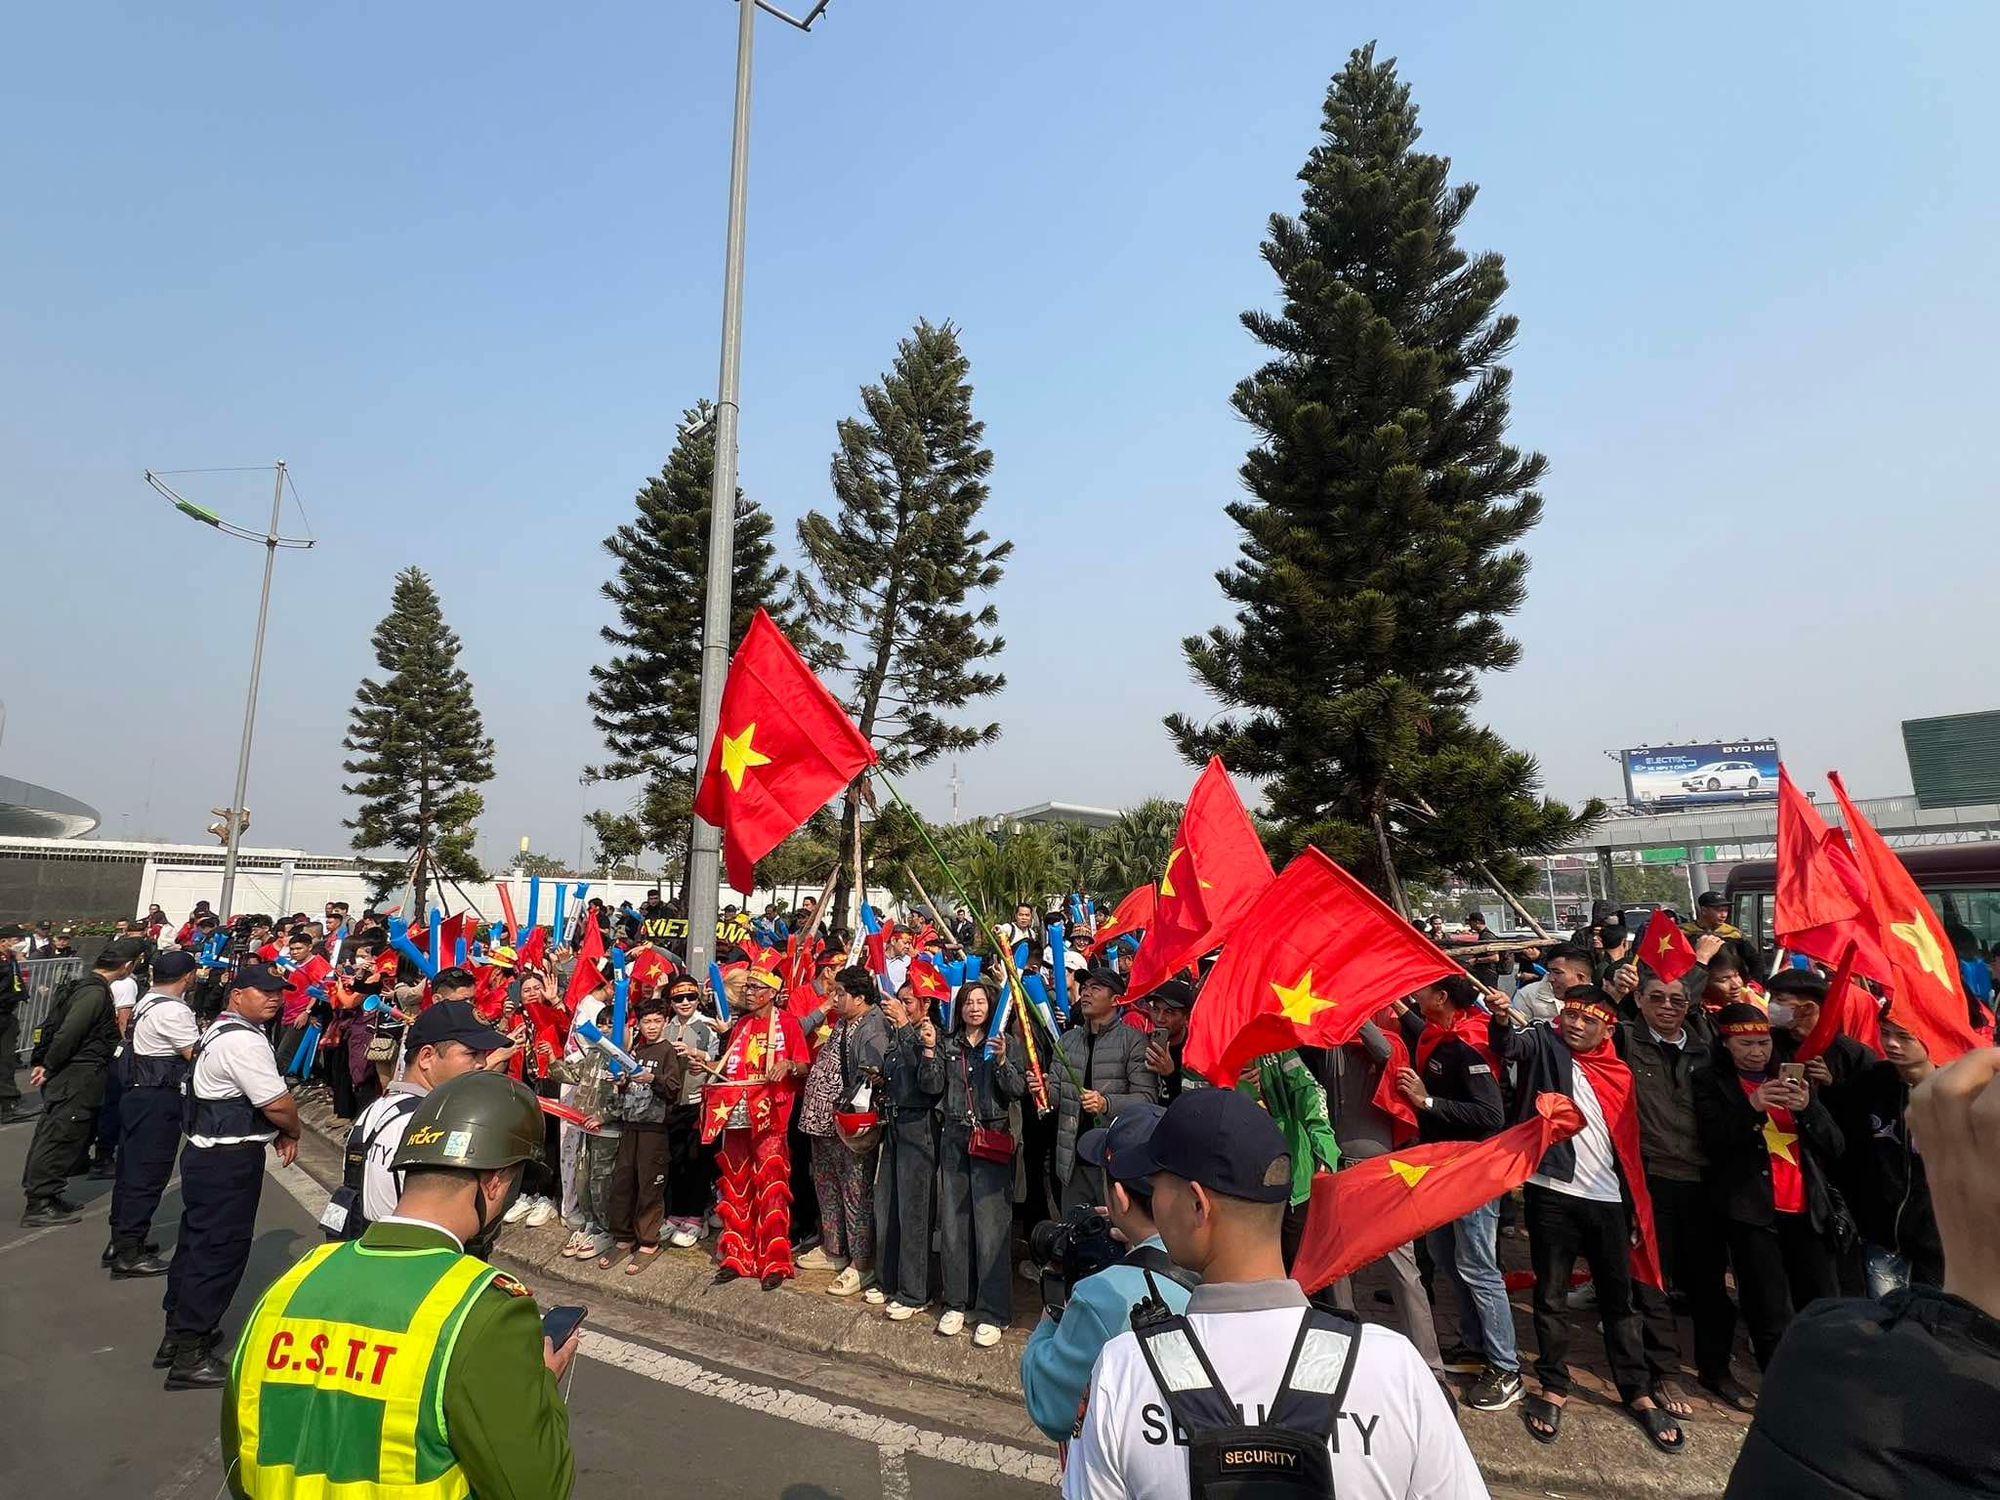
1068	1249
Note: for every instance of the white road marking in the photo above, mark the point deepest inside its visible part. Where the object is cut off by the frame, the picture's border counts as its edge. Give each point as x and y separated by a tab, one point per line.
895	1475
824	1416
297	1181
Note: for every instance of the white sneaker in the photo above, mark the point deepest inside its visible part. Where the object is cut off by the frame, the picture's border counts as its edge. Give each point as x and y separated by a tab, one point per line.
898	1313
951	1324
874	1296
540	1214
851	1280
985	1336
817	1259
519	1211
682	1239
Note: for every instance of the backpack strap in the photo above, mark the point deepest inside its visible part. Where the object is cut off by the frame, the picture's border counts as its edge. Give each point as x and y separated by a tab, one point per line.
1314	1387
1181	1369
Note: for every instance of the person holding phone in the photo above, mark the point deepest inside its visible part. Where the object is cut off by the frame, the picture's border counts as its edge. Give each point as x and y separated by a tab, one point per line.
358	1332
1769	1141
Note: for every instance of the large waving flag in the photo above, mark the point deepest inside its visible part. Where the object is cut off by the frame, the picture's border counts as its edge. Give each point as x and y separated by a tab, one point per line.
1216	871
1822	906
1134	915
782	748
1928	995
589	972
1361	1213
1312	961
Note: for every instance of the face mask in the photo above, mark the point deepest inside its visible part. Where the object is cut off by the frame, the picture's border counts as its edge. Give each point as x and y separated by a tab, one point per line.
1781	1014
481	1243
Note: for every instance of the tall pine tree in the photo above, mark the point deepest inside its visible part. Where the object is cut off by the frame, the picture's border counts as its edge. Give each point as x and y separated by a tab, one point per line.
419	747
645	699
1380	534
893	573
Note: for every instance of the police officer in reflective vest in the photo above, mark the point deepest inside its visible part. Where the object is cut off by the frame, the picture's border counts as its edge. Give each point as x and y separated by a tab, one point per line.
401	1366
156	1063
237	1104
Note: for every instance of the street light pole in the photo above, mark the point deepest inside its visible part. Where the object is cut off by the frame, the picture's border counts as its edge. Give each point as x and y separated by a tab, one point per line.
705	847
225	910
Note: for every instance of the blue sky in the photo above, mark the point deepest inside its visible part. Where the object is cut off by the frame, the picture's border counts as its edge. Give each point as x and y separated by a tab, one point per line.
461	266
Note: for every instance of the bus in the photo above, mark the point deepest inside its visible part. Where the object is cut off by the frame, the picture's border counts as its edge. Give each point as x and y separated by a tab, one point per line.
1961	881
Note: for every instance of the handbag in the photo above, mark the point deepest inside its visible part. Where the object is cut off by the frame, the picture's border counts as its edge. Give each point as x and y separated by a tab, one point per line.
988	1143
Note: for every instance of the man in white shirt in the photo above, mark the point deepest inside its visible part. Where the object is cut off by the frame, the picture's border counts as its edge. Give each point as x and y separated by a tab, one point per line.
239	1105
444	1041
1339	1407
158	1044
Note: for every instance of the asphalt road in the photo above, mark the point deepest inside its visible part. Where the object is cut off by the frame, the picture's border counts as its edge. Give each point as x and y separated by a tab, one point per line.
652	1406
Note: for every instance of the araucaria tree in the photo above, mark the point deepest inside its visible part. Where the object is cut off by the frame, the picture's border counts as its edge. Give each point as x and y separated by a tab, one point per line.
645	699
1379	555
418	746
897	575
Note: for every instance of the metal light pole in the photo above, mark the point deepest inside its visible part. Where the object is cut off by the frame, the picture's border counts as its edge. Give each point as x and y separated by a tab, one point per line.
705	848
272	542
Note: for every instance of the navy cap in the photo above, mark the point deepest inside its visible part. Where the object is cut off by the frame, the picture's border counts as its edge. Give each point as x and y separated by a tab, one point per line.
452	1021
1712	899
1124	1147
1176	992
1224	1141
1111	979
259	977
174	964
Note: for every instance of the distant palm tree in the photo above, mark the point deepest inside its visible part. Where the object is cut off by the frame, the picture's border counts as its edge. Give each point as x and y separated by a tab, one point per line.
1134	850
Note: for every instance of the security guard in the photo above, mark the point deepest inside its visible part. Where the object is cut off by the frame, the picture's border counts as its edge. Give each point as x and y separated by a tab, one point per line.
71	1064
237	1104
158	1048
400	1366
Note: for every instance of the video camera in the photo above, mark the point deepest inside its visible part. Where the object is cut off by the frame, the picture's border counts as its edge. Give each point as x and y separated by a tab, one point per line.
1068	1249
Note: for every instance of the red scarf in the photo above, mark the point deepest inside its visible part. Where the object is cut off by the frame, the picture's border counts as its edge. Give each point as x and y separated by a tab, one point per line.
1611	1081
1388	1098
1472	1027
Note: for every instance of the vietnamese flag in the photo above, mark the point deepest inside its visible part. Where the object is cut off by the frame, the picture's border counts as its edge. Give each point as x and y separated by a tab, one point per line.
927	982
1928	996
1822	906
1665	948
1315	958
386	964
1361	1213
588	973
1134	914
1216	870
782	748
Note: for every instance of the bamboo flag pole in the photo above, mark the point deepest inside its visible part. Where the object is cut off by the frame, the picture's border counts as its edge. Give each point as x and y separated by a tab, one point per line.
1030	1062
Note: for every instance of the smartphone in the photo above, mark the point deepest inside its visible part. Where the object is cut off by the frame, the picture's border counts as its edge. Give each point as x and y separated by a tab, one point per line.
558	1323
1792	1072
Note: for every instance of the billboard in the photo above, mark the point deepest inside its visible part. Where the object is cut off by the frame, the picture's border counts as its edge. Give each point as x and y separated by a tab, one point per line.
1667	776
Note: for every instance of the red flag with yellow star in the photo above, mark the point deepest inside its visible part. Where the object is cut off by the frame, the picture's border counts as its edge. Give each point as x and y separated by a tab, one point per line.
1318	955
926	980
1134	914
1361	1213
1927	995
783	747
1215	871
1821	907
1665	949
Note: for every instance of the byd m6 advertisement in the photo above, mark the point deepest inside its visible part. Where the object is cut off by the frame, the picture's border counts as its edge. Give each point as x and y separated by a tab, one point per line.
1665	776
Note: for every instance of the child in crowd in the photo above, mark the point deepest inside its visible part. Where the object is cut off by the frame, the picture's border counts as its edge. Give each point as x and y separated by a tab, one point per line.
639	1176
975	1180
690	1165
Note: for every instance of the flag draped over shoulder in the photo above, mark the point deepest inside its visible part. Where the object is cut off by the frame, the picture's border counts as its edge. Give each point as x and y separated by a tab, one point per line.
1361	1213
1216	871
783	747
1314	959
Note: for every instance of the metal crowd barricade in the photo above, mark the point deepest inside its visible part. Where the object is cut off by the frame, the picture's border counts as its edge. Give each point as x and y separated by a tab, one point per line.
40	977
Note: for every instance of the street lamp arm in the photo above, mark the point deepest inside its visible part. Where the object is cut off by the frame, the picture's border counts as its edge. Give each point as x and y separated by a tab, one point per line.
806	25
208	517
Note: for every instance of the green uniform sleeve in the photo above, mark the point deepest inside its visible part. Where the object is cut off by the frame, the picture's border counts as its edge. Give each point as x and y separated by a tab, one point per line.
88	1009
506	1420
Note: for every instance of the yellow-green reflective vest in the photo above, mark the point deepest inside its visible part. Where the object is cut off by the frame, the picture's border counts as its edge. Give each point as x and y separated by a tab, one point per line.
340	1376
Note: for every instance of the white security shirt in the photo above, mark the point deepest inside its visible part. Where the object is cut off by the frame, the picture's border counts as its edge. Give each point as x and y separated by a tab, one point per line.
124	993
1395	1438
238	1063
385	1122
166	1027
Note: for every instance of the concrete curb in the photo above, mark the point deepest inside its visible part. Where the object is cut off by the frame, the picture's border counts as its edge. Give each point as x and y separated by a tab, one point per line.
1602	1452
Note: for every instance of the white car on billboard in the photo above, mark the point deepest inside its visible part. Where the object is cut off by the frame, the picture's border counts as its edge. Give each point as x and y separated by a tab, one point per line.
1723	776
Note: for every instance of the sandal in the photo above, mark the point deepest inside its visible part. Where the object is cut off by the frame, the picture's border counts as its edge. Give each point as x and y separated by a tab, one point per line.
1543	1417
1670	1398
1657	1422
612	1256
641	1258
1731	1394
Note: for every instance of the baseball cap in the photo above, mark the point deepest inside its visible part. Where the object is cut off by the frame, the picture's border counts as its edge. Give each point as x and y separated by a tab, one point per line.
11	930
1175	992
121	951
1111	979
1224	1141
172	965
259	977
452	1021
1791	982
1124	1147
1712	899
